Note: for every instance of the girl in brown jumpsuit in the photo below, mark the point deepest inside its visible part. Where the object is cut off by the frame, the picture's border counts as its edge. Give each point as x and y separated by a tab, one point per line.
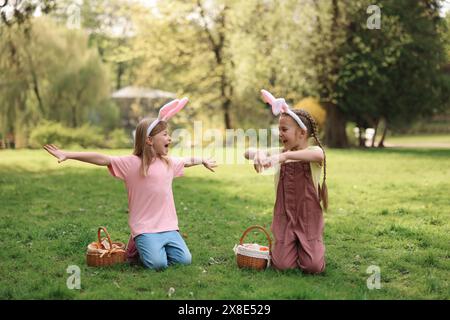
298	223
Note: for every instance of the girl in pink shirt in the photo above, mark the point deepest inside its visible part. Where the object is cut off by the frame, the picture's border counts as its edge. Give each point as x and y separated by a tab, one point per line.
148	175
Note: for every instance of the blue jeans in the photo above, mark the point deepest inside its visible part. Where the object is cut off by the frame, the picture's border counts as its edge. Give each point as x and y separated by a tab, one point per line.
159	250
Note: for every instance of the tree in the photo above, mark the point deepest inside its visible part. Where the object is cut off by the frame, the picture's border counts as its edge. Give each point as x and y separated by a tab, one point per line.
367	75
367	57
47	72
110	26
186	49
17	12
331	33
211	51
392	74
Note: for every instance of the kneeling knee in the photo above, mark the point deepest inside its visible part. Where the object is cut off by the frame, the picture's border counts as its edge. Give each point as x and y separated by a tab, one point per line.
156	264
186	260
314	267
281	266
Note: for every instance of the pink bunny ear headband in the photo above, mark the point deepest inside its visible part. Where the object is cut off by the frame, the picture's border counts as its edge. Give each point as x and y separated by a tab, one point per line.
168	111
280	106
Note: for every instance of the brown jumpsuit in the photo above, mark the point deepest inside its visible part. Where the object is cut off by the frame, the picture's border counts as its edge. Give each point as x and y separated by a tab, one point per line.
298	221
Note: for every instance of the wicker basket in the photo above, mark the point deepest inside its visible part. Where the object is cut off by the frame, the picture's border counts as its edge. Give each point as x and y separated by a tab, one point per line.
253	256
104	252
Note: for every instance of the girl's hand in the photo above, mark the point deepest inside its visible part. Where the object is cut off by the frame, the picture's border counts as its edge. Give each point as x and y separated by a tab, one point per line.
54	151
209	164
273	160
259	160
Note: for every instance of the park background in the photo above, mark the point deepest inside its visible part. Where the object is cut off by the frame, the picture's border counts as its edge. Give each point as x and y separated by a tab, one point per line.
81	74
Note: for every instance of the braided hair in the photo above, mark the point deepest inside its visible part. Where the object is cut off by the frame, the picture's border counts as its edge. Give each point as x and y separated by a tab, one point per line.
311	125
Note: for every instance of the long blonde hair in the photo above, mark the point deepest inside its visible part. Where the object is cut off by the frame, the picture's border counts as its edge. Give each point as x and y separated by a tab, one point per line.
142	149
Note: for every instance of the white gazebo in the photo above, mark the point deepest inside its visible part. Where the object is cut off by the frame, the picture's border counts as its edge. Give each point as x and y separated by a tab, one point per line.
142	93
137	102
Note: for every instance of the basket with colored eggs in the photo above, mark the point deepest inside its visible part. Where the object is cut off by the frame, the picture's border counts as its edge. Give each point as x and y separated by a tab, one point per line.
252	255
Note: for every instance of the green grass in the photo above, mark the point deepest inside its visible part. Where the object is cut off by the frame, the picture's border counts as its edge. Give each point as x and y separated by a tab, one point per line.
388	208
429	139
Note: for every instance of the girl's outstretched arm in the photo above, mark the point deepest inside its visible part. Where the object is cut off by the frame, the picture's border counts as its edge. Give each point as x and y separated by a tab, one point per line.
260	156
192	161
303	155
298	155
89	157
251	153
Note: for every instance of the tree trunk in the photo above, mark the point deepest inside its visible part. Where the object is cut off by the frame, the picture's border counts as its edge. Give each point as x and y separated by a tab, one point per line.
361	137
17	108
74	116
226	113
335	134
35	81
377	123
217	46
37	93
27	31
226	101
120	73
381	143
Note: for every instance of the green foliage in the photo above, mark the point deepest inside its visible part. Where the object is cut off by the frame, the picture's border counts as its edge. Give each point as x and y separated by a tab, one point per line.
106	116
221	53
65	137
48	72
88	137
296	49
119	139
50	132
19	12
111	27
384	70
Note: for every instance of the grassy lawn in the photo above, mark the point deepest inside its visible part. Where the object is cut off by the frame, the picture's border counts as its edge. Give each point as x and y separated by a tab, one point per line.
421	138
388	208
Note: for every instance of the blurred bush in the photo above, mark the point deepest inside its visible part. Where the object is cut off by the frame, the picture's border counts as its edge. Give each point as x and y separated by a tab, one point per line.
119	139
313	106
88	137
437	124
55	133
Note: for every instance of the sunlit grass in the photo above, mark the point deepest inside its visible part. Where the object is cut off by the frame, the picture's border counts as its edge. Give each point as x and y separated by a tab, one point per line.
420	139
388	208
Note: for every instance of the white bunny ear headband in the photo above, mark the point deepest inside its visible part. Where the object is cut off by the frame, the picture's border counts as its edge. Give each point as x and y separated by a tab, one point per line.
280	106
168	111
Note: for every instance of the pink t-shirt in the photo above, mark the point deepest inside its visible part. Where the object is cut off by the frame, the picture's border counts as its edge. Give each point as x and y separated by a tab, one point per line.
150	199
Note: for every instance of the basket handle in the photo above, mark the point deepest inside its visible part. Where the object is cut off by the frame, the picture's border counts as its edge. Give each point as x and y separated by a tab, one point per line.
259	228
107	234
